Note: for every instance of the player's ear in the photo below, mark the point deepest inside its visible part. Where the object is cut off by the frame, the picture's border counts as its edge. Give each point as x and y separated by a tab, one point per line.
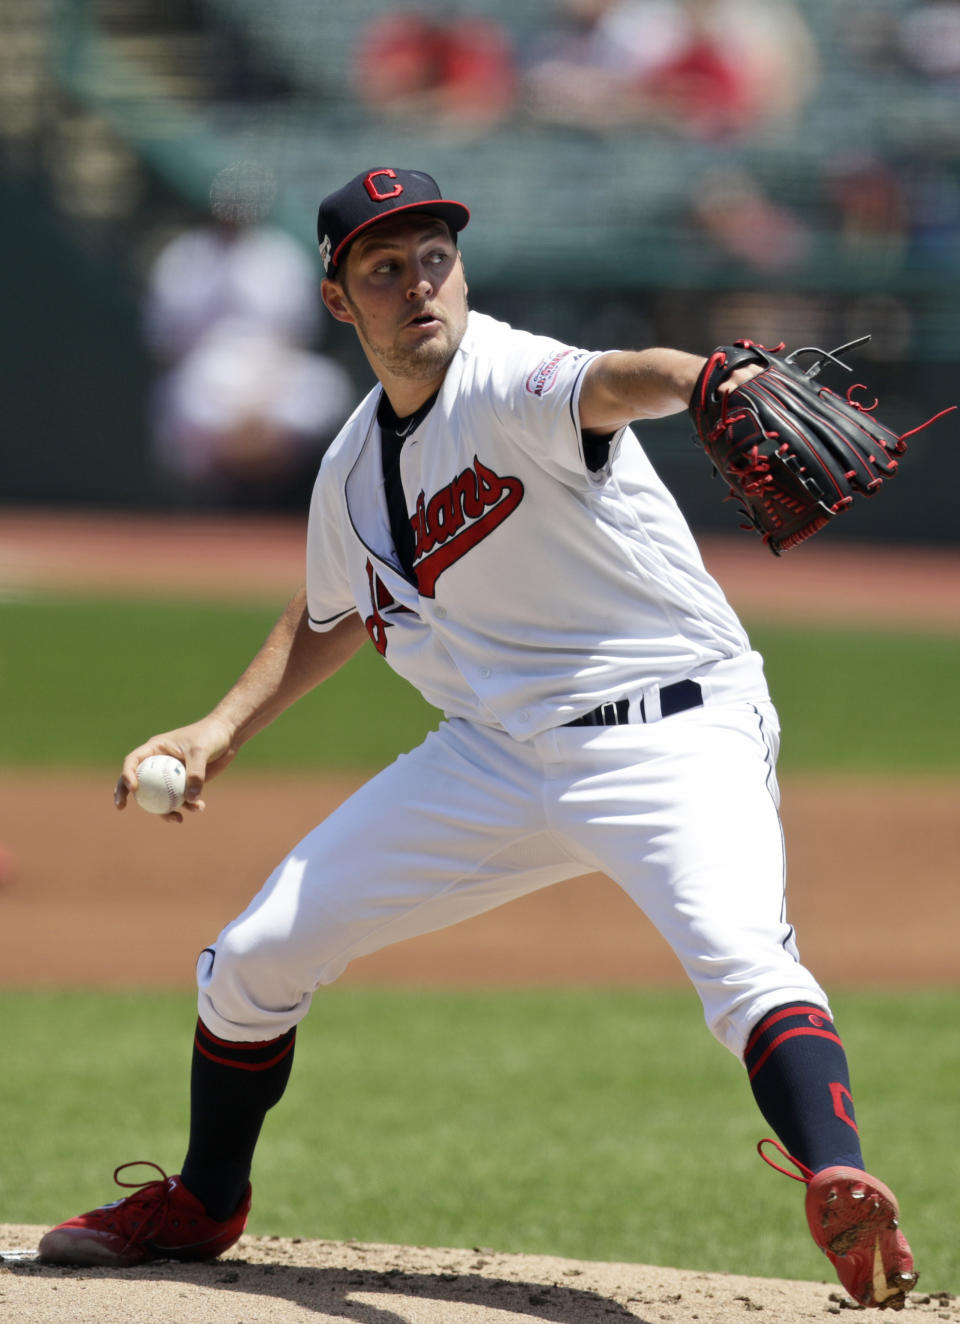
336	304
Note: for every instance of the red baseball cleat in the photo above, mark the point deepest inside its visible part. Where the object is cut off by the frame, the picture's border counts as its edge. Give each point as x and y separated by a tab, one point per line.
162	1221
855	1220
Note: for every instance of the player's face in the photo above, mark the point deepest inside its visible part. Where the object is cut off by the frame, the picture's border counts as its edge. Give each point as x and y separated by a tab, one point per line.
404	290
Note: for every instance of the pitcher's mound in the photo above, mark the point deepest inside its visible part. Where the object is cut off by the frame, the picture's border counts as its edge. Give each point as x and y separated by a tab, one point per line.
319	1282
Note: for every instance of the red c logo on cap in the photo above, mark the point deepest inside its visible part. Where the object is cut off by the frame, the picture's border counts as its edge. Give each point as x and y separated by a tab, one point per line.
371	187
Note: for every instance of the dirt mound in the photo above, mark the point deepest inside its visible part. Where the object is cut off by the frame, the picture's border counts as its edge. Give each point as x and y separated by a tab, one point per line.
285	1282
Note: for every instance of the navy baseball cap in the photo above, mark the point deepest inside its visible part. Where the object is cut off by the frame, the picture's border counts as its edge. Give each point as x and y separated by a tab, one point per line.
372	196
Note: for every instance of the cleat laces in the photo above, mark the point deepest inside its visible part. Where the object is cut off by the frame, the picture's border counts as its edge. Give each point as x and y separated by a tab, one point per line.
142	1213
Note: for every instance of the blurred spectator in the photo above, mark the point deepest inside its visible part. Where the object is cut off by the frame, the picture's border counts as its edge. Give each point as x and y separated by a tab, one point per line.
769	316
929	39
933	200
243	408
732	208
243	418
870	207
869	37
443	71
708	68
256	273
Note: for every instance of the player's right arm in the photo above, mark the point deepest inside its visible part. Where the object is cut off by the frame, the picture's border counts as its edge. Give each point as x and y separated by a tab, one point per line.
293	660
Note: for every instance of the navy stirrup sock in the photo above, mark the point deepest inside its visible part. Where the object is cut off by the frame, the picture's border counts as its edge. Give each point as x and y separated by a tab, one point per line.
232	1086
800	1080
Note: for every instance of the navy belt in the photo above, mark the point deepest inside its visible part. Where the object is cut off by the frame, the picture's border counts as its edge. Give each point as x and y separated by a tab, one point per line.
675	698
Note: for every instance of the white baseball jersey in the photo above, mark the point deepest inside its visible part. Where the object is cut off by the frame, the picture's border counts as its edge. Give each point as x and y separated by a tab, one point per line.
544	589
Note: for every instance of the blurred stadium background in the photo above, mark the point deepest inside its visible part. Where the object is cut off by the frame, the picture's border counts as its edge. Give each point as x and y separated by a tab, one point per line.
793	172
827	207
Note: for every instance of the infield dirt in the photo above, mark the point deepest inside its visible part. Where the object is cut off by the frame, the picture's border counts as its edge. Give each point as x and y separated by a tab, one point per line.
125	899
275	1281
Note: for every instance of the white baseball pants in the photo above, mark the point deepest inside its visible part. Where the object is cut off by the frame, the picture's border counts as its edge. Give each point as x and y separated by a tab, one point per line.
682	813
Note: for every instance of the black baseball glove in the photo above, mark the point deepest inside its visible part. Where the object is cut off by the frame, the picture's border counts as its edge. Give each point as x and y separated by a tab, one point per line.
792	452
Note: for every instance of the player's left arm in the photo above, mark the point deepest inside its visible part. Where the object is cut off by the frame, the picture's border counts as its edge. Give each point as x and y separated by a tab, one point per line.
623	385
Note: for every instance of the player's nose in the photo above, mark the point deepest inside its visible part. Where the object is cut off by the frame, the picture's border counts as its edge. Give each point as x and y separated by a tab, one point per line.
419	283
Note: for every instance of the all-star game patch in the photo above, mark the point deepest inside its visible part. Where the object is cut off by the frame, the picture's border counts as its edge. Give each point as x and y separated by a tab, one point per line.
544	376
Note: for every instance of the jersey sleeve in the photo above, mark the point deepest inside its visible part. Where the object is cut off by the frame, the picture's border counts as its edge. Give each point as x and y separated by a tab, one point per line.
536	384
329	598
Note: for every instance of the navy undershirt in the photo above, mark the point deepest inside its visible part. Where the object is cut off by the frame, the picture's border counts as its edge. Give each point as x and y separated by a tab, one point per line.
393	433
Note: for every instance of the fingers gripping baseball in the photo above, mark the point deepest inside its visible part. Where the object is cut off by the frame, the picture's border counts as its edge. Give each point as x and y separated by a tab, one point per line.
205	748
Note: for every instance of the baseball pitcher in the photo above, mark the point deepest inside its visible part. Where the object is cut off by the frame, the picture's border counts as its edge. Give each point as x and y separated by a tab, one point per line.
489	522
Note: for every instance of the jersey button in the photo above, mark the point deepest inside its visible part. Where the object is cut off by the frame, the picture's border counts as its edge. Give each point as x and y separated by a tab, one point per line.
441	613
523	716
485	673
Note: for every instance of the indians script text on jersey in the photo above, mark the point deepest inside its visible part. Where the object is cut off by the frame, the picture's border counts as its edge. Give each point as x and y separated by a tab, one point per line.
543	588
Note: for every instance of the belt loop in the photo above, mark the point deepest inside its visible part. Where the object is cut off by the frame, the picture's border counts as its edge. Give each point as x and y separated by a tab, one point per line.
651	704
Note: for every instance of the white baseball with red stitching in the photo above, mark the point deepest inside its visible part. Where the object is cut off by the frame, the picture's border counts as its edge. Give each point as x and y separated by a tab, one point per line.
161	784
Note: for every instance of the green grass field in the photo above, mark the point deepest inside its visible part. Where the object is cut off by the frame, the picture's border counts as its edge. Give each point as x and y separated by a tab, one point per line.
81	682
590	1124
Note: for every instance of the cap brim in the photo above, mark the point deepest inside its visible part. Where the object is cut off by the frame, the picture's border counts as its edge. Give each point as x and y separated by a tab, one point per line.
455	214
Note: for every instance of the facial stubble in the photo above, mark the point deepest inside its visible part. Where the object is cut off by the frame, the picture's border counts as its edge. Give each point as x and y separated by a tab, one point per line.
421	361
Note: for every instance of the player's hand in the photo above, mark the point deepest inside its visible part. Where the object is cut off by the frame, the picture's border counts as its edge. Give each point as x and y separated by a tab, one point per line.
205	749
744	374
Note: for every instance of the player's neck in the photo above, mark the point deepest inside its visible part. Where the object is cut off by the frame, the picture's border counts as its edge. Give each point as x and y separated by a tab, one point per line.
406	397
402	426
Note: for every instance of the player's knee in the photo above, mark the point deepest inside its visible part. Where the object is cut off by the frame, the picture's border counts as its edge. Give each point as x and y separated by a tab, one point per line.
734	1023
241	996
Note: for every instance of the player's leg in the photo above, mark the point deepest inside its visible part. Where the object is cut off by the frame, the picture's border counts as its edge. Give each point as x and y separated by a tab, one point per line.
445	833
232	1088
453	829
683	814
690	828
